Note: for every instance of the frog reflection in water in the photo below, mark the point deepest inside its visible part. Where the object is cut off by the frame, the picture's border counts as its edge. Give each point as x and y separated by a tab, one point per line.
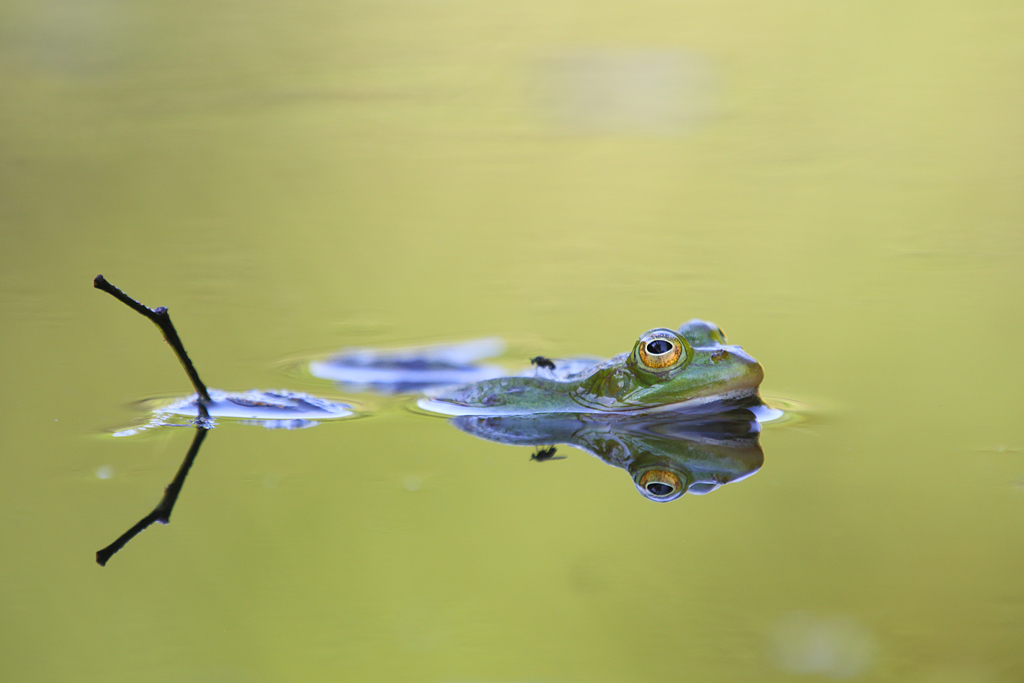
648	411
665	454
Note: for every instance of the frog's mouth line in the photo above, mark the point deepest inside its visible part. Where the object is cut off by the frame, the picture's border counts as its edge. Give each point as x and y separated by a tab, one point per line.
685	404
455	409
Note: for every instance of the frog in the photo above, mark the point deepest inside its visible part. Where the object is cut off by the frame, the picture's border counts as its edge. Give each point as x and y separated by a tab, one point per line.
692	368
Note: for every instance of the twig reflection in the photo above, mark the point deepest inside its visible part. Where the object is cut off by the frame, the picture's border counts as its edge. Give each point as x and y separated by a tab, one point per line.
162	512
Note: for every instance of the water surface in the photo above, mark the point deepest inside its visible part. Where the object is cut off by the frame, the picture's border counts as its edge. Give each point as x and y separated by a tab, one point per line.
837	187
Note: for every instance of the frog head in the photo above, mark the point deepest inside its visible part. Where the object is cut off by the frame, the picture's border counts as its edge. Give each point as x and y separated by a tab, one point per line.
669	368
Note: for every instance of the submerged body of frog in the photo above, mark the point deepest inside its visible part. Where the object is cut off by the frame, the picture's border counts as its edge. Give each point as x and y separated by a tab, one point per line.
689	368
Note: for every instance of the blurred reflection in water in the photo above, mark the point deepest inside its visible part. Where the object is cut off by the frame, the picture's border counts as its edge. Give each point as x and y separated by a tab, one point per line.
412	369
71	38
627	91
836	646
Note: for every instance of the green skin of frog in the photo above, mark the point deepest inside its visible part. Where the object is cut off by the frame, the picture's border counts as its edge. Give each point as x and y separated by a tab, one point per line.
667	369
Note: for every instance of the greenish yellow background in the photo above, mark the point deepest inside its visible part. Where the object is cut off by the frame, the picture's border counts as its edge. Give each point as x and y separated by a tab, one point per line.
843	193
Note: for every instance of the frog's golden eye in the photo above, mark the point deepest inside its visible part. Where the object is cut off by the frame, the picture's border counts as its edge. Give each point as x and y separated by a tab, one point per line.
660	349
660	485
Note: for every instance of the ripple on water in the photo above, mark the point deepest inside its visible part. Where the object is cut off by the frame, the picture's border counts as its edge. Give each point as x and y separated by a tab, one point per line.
272	409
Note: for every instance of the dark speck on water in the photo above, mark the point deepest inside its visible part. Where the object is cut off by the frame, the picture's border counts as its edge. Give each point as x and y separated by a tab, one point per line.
542	362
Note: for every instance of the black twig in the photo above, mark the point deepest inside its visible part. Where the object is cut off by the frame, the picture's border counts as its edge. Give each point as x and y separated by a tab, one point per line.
162	319
162	512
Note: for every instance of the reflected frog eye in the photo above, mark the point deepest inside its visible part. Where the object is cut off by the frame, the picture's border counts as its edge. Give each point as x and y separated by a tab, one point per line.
660	485
660	349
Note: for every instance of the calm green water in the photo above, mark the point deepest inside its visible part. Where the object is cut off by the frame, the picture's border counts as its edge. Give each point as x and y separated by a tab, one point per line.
839	186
